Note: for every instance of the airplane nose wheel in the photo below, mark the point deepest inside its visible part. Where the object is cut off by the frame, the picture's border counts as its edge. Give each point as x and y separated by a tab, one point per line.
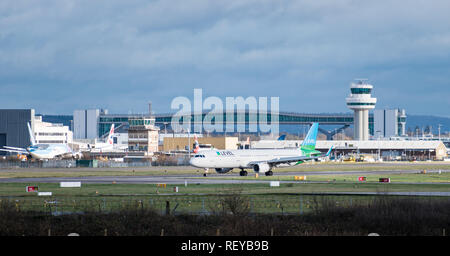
243	173
269	173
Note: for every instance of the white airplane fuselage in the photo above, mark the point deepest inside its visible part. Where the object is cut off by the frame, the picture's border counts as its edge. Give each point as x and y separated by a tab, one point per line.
240	158
49	151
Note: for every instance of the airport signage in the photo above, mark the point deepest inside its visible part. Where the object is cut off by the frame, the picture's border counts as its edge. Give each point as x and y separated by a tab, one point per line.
32	188
44	193
385	180
274	183
76	184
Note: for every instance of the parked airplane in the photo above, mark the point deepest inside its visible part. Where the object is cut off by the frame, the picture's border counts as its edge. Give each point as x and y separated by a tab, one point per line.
200	147
107	145
260	160
43	151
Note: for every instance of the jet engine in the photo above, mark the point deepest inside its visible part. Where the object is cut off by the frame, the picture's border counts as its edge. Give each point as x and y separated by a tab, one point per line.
77	155
261	167
223	170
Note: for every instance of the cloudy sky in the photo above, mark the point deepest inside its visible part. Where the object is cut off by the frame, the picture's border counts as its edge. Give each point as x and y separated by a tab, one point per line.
61	55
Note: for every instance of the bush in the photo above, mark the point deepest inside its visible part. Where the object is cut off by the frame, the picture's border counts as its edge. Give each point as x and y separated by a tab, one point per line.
386	216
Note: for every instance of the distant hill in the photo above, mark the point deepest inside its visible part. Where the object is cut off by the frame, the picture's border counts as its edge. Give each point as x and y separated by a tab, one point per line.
422	121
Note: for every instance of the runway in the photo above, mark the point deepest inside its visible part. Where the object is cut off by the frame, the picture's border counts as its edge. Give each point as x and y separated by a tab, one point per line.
211	178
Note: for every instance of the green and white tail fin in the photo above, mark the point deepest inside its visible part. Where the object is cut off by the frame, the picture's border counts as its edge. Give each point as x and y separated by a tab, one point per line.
309	143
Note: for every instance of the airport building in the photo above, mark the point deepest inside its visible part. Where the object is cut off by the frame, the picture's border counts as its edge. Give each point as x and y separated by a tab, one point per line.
14	130
143	135
387	149
182	143
51	133
13	127
361	101
85	123
389	123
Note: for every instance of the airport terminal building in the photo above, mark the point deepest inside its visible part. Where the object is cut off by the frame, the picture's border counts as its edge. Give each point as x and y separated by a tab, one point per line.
386	149
14	130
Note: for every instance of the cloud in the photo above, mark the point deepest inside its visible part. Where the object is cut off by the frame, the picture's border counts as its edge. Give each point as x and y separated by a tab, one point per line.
157	50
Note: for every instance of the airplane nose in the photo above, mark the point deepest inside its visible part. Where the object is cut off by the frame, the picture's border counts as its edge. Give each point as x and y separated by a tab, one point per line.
192	161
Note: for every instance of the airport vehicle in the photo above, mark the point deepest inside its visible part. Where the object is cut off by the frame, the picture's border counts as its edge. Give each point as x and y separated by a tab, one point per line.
43	151
260	160
282	137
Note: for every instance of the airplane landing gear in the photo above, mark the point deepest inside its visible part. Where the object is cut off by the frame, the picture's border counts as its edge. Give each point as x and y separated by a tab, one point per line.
243	173
269	173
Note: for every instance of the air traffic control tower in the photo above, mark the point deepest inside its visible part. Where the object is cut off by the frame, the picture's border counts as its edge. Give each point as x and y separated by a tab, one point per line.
360	101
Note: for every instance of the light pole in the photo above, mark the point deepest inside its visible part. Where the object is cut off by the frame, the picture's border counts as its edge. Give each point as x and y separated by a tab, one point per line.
379	147
165	128
189	143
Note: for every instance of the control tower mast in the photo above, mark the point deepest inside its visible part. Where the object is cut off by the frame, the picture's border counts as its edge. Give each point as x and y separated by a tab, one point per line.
360	101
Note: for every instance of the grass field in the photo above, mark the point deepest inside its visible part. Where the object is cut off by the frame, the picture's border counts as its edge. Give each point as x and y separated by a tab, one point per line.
292	196
294	208
171	170
18	189
288	198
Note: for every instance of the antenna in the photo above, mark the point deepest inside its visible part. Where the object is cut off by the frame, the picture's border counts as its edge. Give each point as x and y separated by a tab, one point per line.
361	80
150	108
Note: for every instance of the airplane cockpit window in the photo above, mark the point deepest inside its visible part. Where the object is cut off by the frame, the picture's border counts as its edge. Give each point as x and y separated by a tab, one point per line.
199	156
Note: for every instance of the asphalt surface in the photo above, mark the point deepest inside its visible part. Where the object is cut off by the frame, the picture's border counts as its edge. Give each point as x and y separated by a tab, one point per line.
215	178
211	178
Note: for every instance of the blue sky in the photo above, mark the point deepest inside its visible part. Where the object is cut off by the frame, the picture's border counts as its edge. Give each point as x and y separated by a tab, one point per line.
58	56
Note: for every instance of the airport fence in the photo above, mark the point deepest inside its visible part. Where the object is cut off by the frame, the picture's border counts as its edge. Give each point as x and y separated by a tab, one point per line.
71	164
38	164
208	205
296	215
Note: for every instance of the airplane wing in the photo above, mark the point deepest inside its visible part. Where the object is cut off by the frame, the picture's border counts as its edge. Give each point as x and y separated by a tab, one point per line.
284	160
16	150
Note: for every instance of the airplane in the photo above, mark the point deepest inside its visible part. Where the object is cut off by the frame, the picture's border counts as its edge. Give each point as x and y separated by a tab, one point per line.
200	147
43	151
260	160
108	145
196	145
246	145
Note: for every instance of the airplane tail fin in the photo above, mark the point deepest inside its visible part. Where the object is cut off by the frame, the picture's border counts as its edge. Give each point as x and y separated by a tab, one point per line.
196	145
309	143
110	140
32	139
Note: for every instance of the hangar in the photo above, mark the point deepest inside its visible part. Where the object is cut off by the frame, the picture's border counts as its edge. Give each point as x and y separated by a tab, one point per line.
13	127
